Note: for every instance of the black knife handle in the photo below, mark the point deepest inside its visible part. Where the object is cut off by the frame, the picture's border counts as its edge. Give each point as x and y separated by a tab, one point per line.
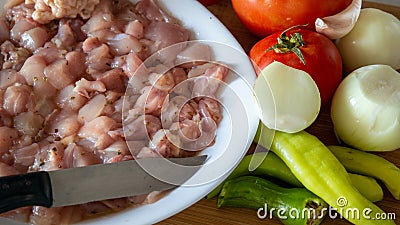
25	190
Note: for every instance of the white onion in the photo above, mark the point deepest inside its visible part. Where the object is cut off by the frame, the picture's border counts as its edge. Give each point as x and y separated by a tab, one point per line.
373	40
366	109
289	98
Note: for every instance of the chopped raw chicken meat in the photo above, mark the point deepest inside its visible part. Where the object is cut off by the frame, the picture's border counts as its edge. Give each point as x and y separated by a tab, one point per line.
7	137
17	99
13	57
34	38
17	11
33	69
84	87
74	91
20	27
48	10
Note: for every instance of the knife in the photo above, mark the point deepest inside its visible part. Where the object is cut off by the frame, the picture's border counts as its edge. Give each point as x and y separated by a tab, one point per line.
96	182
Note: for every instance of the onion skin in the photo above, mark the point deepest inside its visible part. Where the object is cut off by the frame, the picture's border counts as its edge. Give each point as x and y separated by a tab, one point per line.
365	109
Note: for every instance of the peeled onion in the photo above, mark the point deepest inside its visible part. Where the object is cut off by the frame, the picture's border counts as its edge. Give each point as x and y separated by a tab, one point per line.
289	98
373	40
366	109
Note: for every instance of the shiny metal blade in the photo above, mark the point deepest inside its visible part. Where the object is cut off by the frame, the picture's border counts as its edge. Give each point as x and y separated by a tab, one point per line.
122	179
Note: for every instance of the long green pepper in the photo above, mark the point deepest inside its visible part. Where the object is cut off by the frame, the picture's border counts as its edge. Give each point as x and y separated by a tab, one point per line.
322	173
292	206
371	165
273	166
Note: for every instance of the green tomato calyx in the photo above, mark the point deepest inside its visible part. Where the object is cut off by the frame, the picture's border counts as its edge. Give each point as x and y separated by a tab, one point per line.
292	43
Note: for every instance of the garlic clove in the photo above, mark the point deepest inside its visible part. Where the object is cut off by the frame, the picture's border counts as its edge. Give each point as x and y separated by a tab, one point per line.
338	25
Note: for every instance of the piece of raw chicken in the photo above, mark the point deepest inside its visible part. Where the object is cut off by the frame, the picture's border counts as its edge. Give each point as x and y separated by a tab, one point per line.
48	10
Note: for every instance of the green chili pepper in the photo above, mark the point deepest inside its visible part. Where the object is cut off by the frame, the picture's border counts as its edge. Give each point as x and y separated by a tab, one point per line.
273	166
292	206
322	173
367	186
371	165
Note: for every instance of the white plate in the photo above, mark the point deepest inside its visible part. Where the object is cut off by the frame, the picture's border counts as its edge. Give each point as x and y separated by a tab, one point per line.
235	133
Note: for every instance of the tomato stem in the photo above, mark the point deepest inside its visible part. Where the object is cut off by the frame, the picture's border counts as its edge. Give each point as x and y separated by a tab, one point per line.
288	44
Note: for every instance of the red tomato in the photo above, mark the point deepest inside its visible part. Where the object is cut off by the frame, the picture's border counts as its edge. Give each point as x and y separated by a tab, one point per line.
322	59
208	2
264	17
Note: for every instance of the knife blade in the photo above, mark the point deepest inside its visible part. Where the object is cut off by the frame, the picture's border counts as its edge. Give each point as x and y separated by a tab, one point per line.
96	182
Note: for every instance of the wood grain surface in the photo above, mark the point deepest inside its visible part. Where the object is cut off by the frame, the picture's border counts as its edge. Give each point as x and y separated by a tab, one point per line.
206	212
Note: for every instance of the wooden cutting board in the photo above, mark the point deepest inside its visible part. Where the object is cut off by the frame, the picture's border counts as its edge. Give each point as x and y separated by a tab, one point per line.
206	211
